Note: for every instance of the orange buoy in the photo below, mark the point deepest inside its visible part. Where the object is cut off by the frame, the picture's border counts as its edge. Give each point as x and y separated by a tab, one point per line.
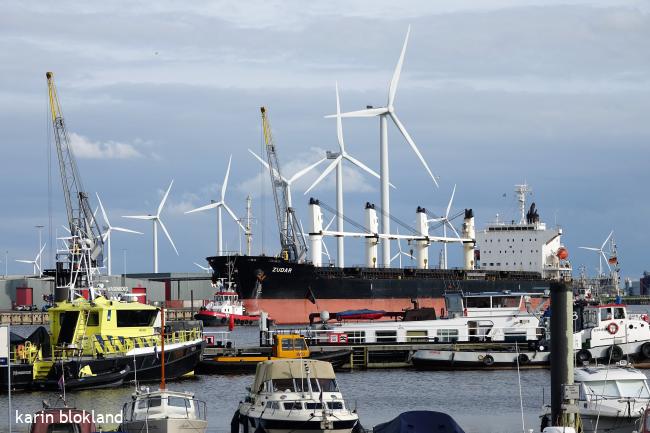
563	253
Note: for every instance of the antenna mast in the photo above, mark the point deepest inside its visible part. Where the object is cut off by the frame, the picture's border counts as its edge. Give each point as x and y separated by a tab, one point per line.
294	247
521	191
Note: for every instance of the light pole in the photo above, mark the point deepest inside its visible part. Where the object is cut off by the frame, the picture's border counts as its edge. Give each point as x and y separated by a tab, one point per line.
40	236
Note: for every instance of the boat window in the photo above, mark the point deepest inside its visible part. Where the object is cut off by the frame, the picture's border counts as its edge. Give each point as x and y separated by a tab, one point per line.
93	318
633	388
301	385
283	385
272	405
313	405
131	318
63	428
292	405
505	301
447	335
356	336
590	318
328	385
154	401
600	388
477	302
286	344
605	314
619	313
386	336
335	404
416	336
299	344
142	404
68	323
178	402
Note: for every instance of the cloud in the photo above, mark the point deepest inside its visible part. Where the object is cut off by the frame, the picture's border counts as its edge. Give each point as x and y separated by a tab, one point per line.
84	148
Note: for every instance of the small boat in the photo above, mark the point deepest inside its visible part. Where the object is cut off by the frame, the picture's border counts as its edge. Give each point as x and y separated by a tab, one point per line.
468	358
83	378
62	419
163	411
225	307
612	398
292	395
285	346
363	314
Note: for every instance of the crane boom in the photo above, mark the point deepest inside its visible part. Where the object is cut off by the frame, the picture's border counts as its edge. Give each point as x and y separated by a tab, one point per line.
294	247
81	221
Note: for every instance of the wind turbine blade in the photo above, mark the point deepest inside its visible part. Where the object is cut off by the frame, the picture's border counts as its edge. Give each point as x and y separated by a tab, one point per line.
339	123
413	146
302	172
121	229
398	70
225	180
234	217
67	229
367	112
40	252
590	248
327	171
106	234
265	164
167	234
451	199
605	243
394	257
202	267
140	217
606	260
101	206
452	228
329	224
361	165
25	261
206	207
162	203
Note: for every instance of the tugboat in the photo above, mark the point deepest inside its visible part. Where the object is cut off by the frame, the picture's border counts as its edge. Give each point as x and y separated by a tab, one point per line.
295	396
225	304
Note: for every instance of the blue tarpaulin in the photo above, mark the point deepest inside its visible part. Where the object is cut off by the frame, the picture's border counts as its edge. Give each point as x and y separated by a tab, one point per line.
420	421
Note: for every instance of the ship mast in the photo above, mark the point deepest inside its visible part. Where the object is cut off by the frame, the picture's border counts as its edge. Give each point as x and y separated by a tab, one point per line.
294	247
521	191
86	244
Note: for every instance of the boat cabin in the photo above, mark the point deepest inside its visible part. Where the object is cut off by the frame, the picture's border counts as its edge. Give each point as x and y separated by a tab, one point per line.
292	346
163	404
491	303
609	324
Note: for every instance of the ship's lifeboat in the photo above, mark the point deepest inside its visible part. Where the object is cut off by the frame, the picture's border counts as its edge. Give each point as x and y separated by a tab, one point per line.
563	253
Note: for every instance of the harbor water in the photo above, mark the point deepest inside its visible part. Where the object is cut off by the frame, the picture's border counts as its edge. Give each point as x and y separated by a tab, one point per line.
480	401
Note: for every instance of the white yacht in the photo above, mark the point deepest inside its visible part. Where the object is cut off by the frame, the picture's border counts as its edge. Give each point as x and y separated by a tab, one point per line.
163	411
612	399
295	396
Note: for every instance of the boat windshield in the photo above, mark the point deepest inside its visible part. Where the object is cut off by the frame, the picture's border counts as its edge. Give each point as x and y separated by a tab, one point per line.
630	388
301	385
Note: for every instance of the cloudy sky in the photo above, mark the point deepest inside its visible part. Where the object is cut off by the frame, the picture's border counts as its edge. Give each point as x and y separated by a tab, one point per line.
554	93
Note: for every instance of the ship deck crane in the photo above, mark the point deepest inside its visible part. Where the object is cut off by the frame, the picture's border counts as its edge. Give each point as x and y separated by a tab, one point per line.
86	236
294	247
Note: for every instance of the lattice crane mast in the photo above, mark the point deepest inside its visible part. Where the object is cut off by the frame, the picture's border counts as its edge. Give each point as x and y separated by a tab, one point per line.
294	247
85	231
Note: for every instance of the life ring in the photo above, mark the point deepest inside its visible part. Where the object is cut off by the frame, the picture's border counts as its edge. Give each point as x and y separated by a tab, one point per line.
488	360
612	328
523	359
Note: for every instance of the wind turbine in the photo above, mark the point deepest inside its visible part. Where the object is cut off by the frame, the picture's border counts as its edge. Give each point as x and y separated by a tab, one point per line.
35	261
220	204
601	254
445	223
384	113
292	179
157	220
338	164
400	253
107	233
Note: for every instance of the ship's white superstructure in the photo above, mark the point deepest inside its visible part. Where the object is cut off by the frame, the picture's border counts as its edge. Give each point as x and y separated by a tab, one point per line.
524	245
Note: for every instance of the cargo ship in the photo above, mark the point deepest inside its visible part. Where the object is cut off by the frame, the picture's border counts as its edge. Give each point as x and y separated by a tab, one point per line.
523	255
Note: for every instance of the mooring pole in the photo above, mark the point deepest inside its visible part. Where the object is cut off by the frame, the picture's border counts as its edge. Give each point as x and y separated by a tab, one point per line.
561	347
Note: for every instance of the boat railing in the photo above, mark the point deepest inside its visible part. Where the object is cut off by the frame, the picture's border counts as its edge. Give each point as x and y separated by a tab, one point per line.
348	337
25	353
218	339
191	408
101	346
